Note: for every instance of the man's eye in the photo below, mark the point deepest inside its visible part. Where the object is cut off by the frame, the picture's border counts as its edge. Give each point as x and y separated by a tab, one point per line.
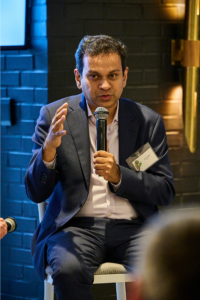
93	77
113	76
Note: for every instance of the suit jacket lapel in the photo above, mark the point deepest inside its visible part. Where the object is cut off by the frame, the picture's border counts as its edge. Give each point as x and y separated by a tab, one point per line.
128	130
78	124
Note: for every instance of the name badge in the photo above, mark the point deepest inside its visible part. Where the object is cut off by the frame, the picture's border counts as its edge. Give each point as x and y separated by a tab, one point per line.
143	158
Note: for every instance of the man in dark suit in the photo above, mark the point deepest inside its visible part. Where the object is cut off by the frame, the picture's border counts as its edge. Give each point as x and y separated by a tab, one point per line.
97	203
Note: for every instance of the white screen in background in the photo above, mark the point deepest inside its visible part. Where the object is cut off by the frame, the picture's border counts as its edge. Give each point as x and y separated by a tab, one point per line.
12	22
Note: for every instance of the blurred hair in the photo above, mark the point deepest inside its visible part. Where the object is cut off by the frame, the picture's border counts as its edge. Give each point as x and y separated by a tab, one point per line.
98	44
170	263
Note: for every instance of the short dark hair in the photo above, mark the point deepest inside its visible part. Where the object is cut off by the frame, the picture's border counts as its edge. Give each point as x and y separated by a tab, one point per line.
93	45
170	264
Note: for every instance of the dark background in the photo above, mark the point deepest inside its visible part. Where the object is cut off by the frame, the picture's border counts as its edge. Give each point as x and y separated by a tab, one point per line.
44	73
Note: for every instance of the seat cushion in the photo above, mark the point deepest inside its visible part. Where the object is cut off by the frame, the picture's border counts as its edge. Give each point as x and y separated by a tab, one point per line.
110	268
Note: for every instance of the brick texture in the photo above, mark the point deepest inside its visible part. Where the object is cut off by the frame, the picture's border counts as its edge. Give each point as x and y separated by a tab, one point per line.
3	62
9	78
18	62
44	73
21	94
23	79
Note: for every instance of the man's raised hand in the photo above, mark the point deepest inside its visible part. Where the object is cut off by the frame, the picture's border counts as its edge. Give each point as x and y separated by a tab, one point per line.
56	131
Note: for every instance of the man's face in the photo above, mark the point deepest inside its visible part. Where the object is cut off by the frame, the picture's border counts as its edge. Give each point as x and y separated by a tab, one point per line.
102	81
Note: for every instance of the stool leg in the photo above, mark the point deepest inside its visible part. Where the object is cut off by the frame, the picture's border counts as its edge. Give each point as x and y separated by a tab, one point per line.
121	290
48	291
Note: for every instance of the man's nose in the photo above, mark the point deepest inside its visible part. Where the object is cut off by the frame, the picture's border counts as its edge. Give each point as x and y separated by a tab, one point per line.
104	84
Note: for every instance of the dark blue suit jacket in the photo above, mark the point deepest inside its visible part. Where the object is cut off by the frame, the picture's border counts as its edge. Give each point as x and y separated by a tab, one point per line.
67	185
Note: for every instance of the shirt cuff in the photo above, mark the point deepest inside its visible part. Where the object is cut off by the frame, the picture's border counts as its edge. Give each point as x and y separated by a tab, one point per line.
116	186
50	165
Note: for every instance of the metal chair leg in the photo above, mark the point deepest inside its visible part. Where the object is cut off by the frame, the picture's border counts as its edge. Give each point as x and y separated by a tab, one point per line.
121	290
48	291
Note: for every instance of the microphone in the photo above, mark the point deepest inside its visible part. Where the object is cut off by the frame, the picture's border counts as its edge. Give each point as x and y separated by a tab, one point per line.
101	115
11	224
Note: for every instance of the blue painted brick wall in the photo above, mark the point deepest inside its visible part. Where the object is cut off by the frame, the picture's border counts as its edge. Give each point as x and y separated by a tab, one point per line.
3	92
27	143
16	191
30	274
11	206
11	174
24	127
3	62
19	62
44	73
19	255
25	289
4	191
19	159
29	111
15	240
30	209
14	269
10	297
41	95
24	79
27	240
41	61
11	142
34	78
10	78
22	94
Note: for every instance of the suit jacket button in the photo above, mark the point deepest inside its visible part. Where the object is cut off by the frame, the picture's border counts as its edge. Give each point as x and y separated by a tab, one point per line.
81	204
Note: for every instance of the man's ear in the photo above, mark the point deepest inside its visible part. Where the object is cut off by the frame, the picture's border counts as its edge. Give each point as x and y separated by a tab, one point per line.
77	78
134	290
125	77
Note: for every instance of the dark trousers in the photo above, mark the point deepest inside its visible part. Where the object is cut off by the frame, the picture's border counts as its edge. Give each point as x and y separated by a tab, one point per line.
76	252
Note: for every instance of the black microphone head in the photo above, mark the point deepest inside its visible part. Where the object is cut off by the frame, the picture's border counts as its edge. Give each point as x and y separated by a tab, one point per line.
11	223
101	113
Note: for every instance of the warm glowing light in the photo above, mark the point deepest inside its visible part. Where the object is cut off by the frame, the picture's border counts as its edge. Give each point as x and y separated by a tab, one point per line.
175	11
176	92
173	132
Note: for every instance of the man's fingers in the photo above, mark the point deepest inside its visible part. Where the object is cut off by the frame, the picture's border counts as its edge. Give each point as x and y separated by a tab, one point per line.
59	133
58	124
59	115
101	153
65	105
102	173
99	166
60	111
100	160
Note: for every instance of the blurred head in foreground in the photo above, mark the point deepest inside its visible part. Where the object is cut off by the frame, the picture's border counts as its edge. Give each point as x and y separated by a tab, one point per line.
169	267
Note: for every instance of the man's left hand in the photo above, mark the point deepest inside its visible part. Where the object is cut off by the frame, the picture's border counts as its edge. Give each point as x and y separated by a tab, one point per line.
105	166
3	228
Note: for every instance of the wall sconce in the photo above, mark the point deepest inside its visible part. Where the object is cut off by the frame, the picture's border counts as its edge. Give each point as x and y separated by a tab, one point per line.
187	53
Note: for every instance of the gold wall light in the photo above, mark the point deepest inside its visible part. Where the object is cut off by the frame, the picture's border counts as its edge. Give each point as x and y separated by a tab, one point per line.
187	53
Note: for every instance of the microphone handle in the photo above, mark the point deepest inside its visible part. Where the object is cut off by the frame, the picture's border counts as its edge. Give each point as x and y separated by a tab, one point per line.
101	134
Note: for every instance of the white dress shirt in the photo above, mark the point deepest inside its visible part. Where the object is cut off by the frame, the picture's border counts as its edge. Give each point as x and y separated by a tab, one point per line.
101	202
